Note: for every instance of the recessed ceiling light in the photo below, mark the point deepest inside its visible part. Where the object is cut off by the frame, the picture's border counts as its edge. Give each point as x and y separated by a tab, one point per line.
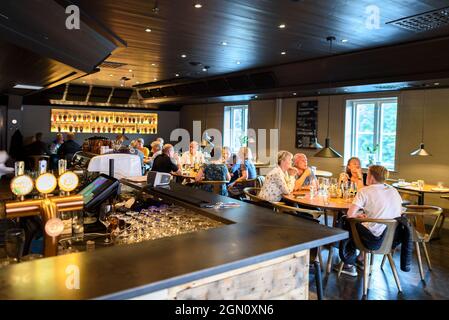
198	5
238	62
137	82
183	56
177	75
436	84
155	79
224	43
110	75
84	81
27	86
283	53
344	40
204	69
282	26
255	97
294	93
147	30
153	64
130	70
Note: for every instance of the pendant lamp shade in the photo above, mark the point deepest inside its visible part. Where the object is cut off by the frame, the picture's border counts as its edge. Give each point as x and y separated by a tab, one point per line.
327	151
421	152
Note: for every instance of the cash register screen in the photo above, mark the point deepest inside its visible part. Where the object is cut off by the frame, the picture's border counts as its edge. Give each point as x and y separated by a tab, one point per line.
99	190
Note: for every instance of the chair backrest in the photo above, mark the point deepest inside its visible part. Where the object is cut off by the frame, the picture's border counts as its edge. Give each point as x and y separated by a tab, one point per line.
282	208
387	242
417	214
216	185
252	193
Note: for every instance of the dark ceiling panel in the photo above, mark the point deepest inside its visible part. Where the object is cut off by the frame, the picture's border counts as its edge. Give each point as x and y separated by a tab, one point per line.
56	93
100	94
218	85
169	91
239	83
263	80
77	93
121	96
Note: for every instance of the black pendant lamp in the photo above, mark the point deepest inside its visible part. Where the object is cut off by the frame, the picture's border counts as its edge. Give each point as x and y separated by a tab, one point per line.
421	152
328	151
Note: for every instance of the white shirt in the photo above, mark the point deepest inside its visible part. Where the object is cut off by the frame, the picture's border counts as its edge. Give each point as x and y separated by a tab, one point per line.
379	201
188	158
276	184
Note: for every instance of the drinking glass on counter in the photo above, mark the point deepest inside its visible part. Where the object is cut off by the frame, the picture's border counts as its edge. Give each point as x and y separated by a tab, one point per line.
14	244
420	184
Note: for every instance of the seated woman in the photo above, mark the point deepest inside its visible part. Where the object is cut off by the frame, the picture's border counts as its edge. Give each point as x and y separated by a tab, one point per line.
227	157
281	180
354	173
213	172
241	172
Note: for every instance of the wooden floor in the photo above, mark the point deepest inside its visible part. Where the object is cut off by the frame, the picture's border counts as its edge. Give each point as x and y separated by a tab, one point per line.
383	287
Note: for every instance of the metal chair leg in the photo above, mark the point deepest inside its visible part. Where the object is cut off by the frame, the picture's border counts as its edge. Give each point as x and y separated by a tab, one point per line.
366	275
395	272
371	264
318	280
418	254
329	259
426	253
383	261
320	257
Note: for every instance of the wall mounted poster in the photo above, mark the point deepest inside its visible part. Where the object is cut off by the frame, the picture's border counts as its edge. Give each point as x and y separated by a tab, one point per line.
306	123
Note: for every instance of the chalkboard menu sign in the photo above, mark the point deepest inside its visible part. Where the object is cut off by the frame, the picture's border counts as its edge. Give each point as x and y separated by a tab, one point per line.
306	123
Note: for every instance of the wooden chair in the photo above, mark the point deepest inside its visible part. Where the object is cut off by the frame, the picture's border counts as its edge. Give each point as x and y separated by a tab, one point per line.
421	235
252	195
216	185
443	218
315	253
385	249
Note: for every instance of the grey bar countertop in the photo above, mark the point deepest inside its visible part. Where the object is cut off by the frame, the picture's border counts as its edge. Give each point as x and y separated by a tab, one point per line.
254	235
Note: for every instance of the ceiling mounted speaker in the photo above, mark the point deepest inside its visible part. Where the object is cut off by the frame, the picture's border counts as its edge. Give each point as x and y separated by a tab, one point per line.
77	93
239	83
263	80
99	94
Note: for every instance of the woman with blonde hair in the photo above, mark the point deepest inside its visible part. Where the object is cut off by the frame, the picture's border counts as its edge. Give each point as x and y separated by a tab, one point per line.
281	180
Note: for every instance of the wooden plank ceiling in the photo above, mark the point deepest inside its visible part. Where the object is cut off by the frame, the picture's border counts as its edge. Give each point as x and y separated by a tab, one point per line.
250	29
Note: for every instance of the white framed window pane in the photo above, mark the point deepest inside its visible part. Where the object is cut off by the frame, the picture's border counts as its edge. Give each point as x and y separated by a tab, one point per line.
236	119
365	117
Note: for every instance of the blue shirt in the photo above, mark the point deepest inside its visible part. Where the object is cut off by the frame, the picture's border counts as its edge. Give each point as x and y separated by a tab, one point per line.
236	170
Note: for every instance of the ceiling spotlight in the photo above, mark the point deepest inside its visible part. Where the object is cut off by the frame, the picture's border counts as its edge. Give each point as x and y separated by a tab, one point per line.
224	43
436	84
110	75
255	97
344	40
206	68
282	26
155	79
84	81
177	75
147	30
130	70
238	62
198	5
283	53
183	56
137	82
153	64
294	93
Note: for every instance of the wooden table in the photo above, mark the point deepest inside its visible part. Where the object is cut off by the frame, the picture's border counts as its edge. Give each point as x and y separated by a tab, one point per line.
332	205
420	192
322	173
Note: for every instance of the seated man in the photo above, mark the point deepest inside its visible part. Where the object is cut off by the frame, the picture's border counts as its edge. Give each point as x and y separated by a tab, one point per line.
166	162
305	177
378	201
156	149
193	155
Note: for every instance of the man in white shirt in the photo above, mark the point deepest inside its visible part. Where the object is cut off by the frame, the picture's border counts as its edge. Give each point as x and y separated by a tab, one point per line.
378	201
193	155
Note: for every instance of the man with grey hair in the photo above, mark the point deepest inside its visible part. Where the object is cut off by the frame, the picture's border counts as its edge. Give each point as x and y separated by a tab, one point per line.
193	155
166	161
156	149
161	141
305	176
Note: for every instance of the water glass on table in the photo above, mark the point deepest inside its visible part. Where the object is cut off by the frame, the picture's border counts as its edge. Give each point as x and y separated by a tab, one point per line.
420	184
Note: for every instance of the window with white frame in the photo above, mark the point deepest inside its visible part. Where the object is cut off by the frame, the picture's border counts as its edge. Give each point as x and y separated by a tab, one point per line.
235	126
370	131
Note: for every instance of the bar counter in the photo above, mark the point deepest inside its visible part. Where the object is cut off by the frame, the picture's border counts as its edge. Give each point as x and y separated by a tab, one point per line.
252	236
